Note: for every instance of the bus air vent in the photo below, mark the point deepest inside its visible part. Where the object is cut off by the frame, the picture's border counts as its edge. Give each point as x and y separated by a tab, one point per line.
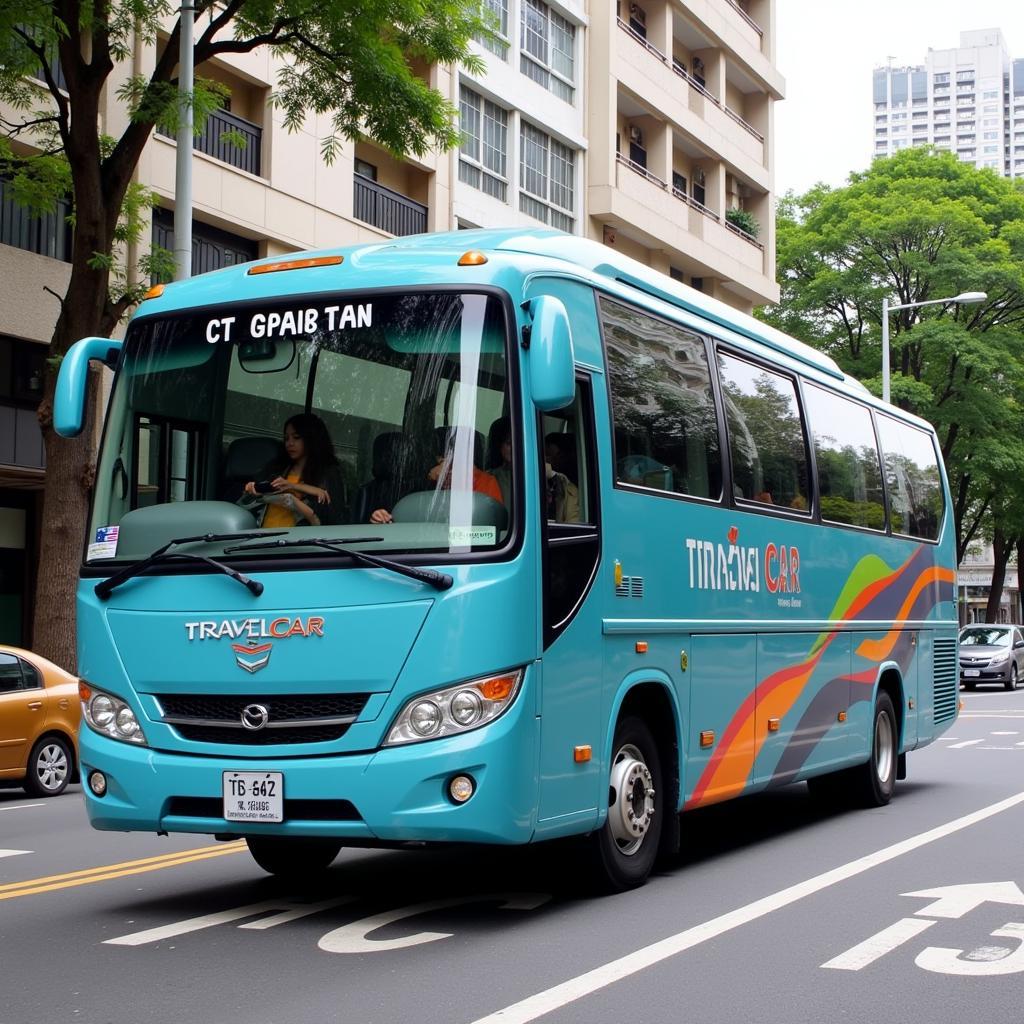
944	678
631	586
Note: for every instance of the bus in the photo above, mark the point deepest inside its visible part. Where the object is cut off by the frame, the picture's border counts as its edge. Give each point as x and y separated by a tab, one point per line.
585	549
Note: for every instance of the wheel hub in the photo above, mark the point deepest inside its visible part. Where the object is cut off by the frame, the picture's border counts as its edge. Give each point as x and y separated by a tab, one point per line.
630	800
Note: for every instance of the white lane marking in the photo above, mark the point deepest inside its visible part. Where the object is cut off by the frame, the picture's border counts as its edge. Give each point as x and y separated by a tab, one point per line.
996	748
13	853
991	714
538	1005
1021	744
872	949
20	807
352	938
1006	732
965	743
288	911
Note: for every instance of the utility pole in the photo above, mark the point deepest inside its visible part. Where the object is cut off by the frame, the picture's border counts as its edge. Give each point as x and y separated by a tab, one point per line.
183	162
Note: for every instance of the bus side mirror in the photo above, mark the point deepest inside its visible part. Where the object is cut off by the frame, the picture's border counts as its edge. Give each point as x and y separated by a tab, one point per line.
551	357
69	398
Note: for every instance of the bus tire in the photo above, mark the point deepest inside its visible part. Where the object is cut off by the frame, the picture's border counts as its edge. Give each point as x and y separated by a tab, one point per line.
292	857
875	781
624	849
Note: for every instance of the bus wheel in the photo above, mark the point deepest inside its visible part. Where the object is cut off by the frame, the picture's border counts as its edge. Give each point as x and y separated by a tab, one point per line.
624	849
876	780
287	856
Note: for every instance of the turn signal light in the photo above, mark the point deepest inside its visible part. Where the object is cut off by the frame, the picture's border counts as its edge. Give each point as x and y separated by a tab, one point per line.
707	738
498	688
582	753
472	258
303	264
84	690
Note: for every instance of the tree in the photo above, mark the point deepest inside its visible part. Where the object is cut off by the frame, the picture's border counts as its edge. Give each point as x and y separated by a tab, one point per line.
917	226
346	58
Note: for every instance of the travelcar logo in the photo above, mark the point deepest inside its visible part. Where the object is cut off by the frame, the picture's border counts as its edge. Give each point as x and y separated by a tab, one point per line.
255	629
733	566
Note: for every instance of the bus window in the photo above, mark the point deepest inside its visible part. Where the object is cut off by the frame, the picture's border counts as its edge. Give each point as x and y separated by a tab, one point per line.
849	474
912	479
766	438
666	432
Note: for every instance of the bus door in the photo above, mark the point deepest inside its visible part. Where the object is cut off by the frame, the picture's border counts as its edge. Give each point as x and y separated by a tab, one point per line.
566	464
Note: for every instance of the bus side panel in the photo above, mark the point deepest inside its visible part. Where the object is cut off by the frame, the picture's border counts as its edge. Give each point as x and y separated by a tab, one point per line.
722	699
803	687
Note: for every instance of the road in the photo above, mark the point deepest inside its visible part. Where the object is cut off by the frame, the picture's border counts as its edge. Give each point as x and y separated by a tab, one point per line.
779	909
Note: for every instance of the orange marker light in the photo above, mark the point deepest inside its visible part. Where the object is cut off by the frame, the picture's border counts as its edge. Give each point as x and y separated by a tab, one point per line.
303	264
707	738
497	688
155	292
641	647
84	690
581	754
472	258
773	725
841	716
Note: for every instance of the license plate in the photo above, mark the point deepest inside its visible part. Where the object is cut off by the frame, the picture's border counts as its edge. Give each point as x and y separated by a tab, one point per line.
254	796
972	672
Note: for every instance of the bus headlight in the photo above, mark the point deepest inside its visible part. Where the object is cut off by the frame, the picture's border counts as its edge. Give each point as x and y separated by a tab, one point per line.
455	709
109	715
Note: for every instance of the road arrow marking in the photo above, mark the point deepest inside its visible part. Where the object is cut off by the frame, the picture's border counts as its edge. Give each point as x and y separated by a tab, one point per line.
984	962
885	941
957	900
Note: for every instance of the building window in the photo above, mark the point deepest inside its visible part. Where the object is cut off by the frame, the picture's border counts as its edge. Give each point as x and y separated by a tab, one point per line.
483	155
548	49
47	234
497	12
547	171
212	248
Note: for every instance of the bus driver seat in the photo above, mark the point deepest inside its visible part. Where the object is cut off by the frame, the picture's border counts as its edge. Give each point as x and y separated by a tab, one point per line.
248	458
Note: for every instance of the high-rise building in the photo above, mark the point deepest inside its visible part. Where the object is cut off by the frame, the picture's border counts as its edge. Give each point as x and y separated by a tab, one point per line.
968	100
647	125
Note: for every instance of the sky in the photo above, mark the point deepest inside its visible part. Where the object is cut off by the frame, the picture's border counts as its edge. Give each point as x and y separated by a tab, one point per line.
826	52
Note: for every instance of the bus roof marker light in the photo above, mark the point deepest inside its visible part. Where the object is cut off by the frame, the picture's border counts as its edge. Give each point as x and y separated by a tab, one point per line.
472	258
303	264
155	292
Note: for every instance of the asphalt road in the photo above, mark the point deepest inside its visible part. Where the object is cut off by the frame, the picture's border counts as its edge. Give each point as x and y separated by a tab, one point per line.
778	909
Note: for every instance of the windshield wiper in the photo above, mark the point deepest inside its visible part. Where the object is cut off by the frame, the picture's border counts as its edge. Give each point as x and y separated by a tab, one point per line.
438	580
106	587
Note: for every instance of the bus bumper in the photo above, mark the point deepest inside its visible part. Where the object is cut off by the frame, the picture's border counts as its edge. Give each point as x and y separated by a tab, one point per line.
395	794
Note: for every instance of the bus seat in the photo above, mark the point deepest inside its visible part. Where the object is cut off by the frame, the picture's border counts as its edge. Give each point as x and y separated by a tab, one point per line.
434	506
248	458
391	463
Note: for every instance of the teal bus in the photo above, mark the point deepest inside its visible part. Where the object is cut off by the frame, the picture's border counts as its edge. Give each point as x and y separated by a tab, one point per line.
493	537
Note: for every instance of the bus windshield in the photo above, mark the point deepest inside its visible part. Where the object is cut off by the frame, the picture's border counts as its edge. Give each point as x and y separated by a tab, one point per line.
381	419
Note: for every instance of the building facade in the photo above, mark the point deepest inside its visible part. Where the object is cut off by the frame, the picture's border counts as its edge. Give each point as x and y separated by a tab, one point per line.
967	100
645	125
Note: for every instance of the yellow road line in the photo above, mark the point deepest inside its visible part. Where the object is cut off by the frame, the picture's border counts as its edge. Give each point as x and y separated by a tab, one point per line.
105	873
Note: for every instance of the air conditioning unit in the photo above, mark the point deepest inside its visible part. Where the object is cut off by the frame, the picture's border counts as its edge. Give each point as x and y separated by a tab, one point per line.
638	14
636	135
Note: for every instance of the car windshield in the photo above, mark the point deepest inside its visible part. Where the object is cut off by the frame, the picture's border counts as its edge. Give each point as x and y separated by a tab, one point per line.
985	636
374	420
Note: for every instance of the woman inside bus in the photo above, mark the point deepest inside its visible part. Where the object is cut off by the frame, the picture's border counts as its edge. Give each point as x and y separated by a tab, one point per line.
306	487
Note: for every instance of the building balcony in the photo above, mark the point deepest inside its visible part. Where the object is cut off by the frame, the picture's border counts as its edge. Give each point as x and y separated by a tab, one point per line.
46	235
231	139
386	209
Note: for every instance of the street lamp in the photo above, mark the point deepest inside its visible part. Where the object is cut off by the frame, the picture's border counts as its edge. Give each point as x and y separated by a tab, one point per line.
964	298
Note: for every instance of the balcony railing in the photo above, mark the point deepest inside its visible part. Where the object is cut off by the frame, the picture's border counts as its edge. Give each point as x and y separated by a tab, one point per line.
641	170
745	235
386	209
626	27
46	235
221	138
746	17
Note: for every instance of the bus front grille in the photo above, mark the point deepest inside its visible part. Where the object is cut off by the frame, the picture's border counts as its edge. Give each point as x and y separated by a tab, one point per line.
261	720
944	678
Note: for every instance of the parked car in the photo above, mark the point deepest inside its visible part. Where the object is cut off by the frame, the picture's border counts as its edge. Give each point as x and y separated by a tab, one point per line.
991	654
39	715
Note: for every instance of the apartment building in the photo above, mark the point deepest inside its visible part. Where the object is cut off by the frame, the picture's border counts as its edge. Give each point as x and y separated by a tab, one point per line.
967	100
639	124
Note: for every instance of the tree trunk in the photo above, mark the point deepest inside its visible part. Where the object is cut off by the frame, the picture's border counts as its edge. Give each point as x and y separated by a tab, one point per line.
1001	551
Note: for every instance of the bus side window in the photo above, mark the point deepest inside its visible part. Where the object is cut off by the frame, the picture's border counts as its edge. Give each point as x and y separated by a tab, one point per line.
912	479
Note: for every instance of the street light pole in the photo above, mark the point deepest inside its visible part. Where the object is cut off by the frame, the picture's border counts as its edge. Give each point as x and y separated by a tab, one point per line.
183	158
964	299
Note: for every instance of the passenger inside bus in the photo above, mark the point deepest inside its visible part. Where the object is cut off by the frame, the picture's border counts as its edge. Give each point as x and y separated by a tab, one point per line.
438	475
561	474
305	487
392	464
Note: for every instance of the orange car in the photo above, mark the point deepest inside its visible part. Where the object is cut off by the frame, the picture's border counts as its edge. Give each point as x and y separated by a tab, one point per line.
39	714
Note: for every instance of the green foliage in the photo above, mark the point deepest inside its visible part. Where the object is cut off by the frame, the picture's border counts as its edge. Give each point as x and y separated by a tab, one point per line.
915	227
744	220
